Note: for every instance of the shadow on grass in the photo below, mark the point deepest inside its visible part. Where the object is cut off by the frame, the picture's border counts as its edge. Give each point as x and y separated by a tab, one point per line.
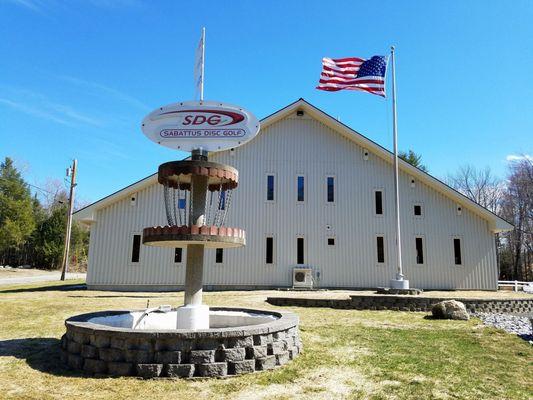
60	288
41	354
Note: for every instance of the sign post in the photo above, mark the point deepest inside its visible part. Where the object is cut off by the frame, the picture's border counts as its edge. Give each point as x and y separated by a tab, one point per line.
198	127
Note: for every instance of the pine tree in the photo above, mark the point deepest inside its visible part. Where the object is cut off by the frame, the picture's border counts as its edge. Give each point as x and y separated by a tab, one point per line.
49	238
414	159
16	207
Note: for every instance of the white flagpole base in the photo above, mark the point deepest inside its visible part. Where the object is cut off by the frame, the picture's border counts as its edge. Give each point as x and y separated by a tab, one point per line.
399	283
193	317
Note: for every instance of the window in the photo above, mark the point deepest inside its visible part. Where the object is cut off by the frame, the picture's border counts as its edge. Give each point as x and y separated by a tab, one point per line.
182	203
378	199
219	256
300	250
136	249
331	241
301	188
457	251
222	200
380	247
417	210
419	245
269	259
330	184
270	187
178	251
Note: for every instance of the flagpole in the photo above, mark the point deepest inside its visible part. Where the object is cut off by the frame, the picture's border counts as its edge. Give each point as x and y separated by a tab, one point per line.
203	63
399	282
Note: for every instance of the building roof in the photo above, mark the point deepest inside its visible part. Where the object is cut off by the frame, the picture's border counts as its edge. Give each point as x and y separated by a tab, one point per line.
496	224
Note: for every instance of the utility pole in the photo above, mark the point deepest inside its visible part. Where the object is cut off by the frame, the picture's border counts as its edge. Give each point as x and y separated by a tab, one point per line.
64	264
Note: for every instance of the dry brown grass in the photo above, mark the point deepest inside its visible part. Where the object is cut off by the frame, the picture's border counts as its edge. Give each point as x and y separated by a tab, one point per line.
348	354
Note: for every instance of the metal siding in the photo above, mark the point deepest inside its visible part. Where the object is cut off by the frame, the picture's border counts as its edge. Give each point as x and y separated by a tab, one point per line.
301	145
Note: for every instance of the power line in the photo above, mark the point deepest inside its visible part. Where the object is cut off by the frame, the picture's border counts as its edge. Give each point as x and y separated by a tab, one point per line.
41	189
35	187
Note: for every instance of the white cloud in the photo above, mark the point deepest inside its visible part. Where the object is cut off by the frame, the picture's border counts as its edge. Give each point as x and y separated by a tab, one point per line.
519	157
74	115
107	90
36	112
38	105
39	5
30	4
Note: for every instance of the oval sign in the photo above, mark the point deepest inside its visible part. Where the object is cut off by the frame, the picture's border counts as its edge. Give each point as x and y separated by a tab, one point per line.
206	125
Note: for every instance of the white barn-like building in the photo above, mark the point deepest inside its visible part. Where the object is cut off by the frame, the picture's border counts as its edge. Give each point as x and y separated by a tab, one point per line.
341	225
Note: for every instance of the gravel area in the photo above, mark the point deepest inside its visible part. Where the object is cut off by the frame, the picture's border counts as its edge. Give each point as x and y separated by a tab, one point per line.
517	324
26	276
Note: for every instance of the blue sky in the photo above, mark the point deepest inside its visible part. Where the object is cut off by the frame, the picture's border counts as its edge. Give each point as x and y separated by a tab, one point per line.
77	77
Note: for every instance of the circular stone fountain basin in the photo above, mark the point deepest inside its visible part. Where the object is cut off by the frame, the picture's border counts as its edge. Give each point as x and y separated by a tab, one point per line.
157	320
238	341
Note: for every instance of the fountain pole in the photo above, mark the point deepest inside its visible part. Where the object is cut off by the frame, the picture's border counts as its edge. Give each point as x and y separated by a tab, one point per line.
193	314
195	252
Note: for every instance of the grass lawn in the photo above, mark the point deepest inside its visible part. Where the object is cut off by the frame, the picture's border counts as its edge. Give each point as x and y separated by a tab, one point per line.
347	354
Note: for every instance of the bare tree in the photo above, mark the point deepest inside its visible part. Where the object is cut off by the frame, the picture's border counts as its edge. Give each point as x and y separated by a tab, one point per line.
517	208
487	190
52	193
480	186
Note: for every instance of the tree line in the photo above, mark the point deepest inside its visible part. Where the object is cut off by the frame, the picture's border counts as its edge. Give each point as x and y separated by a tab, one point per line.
32	231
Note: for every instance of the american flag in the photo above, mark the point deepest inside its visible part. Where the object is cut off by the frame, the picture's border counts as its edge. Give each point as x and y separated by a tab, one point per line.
354	73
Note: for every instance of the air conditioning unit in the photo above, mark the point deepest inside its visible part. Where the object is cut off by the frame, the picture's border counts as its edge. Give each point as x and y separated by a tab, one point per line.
302	278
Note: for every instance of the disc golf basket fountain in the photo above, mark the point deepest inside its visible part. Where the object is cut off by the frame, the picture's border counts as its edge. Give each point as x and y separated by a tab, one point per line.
191	340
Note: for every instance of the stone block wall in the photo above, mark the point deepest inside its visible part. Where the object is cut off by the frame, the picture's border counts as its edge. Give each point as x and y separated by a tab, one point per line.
407	303
152	354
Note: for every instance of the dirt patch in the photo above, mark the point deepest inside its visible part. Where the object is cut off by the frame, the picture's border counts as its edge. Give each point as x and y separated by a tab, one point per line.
333	383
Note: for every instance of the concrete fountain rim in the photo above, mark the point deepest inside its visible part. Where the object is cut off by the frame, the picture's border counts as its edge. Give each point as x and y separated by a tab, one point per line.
285	320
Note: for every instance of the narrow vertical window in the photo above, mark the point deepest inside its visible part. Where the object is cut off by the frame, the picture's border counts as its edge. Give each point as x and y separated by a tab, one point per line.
418	210
330	183
380	246
219	256
419	245
301	188
136	249
300	251
178	251
457	251
270	187
378	198
269	259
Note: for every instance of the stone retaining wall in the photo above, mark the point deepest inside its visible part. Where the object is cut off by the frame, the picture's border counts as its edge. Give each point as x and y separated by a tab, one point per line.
407	303
102	350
